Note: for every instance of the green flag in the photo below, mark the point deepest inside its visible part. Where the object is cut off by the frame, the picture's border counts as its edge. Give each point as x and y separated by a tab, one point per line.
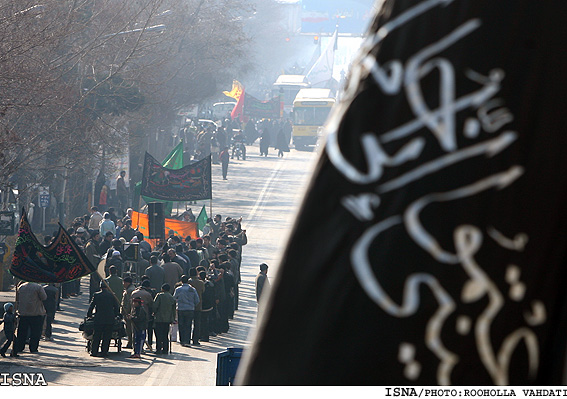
202	218
175	158
173	161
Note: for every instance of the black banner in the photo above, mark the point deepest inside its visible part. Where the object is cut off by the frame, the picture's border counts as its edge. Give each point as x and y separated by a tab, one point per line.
430	248
59	262
258	109
190	183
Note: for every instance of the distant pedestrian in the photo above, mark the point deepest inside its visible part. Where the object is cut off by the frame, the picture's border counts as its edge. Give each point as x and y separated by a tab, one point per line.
29	297
103	198
265	142
164	315
105	308
224	158
187	298
9	321
107	225
94	220
207	307
122	193
116	261
139	320
147	296
126	308
199	286
115	283
155	273
281	144
92	251
173	271
50	305
262	284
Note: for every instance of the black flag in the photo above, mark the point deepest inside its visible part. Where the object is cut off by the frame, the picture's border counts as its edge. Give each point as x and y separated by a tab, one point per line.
189	183
431	247
59	262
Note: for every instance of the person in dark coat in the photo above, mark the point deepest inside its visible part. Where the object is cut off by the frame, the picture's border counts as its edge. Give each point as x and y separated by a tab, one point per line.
192	254
265	142
224	158
250	132
221	297
116	261
207	306
9	321
106	309
92	250
164	314
229	287
281	144
262	284
139	320
50	305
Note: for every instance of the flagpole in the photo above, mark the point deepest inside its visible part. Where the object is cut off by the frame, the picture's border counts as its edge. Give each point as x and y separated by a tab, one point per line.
108	287
94	268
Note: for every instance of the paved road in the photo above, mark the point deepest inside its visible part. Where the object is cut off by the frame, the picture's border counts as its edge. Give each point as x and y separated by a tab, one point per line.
266	193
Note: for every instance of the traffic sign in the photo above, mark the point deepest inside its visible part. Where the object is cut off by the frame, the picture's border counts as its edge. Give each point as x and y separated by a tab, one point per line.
44	196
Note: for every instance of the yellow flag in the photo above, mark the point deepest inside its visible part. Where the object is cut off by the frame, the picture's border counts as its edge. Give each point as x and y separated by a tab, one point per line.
236	91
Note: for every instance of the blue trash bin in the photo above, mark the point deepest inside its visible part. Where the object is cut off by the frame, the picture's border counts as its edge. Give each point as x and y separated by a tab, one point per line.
227	364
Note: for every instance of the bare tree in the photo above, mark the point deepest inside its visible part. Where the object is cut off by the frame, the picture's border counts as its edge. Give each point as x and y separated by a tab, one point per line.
83	78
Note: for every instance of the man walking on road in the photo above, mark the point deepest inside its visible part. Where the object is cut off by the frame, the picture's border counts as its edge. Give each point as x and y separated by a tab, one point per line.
164	315
29	298
262	284
94	220
155	273
126	308
187	298
105	308
122	193
145	294
92	251
50	305
115	283
199	286
224	158
172	271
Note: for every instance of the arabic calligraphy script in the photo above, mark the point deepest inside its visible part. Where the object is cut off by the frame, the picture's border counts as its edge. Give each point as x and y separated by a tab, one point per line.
486	133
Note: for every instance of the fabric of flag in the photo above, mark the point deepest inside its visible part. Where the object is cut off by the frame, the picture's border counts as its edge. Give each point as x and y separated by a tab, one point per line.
202	218
314	58
321	73
238	111
178	227
236	92
60	261
255	108
430	248
189	183
173	161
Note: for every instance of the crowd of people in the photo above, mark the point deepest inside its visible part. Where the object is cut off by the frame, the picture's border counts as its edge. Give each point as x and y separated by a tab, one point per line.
188	285
190	281
179	286
203	140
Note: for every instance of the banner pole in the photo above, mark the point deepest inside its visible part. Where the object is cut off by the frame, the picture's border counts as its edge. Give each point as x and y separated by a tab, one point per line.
106	285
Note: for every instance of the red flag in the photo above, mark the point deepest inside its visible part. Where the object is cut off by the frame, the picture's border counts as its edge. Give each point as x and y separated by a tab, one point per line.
239	108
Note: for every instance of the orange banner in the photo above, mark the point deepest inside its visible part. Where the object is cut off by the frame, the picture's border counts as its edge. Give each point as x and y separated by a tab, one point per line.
179	228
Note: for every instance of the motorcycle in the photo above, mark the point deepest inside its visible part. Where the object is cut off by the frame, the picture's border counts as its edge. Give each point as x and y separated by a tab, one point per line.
239	150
